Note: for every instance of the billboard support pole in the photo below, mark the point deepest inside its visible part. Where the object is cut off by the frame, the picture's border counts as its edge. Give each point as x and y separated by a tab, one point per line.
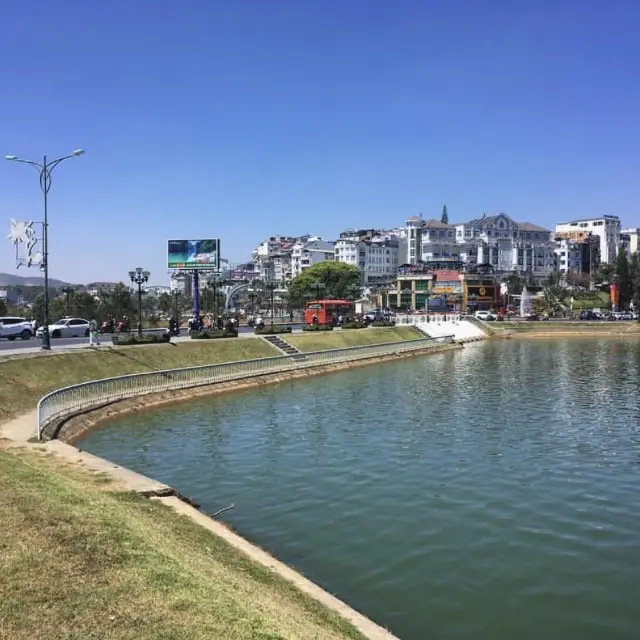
196	293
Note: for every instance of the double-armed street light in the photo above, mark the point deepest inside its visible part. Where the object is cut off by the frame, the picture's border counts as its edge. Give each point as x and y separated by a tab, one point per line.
139	277
271	286
45	169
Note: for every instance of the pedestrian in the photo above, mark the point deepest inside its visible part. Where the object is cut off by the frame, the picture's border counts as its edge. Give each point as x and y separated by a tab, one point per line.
94	334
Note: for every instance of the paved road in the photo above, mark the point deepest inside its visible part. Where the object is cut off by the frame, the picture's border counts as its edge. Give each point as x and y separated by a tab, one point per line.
34	343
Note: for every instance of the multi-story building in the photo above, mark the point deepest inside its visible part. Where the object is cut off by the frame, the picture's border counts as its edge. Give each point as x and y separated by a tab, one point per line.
272	257
306	254
632	233
375	253
606	228
577	252
496	240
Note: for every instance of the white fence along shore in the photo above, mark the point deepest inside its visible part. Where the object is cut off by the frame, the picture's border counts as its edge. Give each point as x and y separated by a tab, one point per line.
77	398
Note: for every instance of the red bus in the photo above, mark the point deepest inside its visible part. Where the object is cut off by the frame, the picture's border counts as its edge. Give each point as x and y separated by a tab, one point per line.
327	311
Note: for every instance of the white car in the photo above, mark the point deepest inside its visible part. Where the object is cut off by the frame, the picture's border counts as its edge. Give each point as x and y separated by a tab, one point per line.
487	316
13	327
68	328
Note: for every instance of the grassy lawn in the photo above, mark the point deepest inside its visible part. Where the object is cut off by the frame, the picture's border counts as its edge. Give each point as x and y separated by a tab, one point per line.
25	379
312	341
81	560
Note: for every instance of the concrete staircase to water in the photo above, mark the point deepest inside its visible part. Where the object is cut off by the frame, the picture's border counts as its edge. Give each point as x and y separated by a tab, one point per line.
283	346
461	330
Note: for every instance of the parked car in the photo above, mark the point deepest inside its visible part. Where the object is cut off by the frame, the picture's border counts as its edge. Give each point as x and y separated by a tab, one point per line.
12	327
487	316
531	317
67	328
622	315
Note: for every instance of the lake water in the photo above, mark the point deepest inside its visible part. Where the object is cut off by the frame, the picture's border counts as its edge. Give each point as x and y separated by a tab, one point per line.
488	493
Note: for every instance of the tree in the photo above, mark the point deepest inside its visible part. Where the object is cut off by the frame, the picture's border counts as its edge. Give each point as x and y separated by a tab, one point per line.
605	273
515	283
328	280
3	307
445	215
165	303
634	269
57	308
117	302
623	279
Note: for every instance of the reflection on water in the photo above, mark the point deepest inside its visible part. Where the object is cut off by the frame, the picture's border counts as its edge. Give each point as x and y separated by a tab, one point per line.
488	493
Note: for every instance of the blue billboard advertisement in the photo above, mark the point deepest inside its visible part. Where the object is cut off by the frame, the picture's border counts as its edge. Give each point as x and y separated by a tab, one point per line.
193	254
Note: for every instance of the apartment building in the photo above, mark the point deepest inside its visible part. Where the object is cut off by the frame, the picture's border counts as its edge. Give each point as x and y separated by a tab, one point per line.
272	257
306	254
606	228
577	252
376	253
631	238
496	240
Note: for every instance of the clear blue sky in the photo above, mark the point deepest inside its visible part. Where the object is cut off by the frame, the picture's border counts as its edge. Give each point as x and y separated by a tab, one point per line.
247	119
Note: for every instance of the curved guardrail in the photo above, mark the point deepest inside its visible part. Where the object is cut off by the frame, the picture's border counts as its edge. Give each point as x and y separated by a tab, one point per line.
77	398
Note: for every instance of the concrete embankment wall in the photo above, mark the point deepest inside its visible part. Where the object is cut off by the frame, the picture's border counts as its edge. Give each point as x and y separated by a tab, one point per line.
73	429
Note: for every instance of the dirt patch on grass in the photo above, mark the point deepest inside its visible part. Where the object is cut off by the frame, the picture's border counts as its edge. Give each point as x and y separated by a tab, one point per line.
320	341
26	379
81	562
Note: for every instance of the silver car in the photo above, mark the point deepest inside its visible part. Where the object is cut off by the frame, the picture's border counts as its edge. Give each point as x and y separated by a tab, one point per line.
68	328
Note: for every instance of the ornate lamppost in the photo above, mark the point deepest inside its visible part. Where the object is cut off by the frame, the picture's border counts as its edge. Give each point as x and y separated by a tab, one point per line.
214	283
271	286
139	277
45	169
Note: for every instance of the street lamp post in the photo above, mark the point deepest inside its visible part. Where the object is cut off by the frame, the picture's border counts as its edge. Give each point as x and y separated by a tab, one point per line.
317	287
68	292
139	277
45	169
215	285
176	305
472	298
271	286
252	297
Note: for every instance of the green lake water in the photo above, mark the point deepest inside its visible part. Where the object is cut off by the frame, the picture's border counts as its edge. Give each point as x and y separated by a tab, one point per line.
482	494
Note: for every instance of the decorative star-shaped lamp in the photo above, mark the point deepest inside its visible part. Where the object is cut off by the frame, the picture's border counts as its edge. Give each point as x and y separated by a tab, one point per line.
21	232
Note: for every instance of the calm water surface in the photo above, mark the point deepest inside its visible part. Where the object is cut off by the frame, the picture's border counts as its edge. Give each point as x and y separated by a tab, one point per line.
487	494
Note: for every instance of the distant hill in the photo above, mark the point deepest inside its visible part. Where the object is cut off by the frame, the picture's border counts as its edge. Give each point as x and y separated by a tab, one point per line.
12	280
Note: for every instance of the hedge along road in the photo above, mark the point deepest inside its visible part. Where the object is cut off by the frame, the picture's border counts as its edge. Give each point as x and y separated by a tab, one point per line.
34	343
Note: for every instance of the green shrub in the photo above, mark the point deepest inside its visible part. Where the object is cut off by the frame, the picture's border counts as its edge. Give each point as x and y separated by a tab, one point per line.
124	340
354	325
383	323
317	327
214	334
272	330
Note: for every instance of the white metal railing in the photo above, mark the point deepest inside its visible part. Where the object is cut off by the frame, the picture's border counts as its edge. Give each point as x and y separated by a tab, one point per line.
79	397
485	326
424	318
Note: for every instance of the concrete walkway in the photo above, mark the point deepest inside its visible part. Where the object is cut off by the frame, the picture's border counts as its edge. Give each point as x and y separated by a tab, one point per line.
22	429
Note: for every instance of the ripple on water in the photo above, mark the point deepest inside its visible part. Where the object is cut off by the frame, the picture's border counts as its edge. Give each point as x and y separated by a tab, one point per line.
487	493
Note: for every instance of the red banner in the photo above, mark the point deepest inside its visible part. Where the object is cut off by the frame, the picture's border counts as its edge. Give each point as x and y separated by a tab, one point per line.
613	292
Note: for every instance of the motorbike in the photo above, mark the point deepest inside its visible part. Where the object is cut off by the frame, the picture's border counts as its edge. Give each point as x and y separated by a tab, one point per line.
106	327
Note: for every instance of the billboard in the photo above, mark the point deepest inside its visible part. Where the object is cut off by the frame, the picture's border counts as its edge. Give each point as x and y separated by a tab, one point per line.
193	254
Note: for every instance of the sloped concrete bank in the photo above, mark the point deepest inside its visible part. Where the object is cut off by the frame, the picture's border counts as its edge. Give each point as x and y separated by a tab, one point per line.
75	428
